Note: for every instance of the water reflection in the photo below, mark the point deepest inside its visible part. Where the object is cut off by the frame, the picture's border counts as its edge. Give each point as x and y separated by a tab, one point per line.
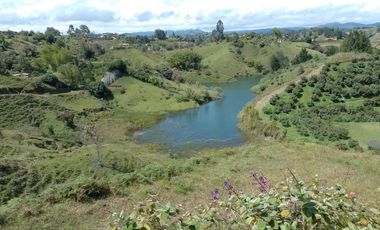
211	125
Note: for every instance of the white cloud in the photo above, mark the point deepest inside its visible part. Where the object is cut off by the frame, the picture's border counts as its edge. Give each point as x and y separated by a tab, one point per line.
140	15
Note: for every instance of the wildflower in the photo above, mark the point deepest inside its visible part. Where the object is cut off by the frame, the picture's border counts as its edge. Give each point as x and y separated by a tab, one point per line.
300	218
351	195
261	181
215	195
230	188
284	213
363	222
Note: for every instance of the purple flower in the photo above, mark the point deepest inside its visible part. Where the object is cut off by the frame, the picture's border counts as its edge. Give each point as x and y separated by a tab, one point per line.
260	181
230	188
215	195
300	218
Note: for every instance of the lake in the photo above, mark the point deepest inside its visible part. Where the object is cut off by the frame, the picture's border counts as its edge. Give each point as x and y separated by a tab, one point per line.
211	125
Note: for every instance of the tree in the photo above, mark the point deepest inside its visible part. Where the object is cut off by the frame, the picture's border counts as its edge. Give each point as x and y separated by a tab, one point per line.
70	74
93	134
3	44
303	56
118	64
71	30
278	61
217	33
185	60
84	30
357	41
160	34
50	34
277	33
53	31
99	90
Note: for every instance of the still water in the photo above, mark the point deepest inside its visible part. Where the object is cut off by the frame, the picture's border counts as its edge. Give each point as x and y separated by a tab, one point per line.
211	125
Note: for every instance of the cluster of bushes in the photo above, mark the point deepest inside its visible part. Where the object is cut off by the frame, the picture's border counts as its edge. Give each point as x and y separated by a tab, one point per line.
336	83
200	97
303	56
357	41
278	61
291	205
186	60
147	74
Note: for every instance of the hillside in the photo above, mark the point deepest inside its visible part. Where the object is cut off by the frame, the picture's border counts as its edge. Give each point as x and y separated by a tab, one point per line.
69	157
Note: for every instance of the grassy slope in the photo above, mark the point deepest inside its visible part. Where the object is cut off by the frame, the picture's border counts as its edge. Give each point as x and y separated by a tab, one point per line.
364	131
191	178
144	97
206	170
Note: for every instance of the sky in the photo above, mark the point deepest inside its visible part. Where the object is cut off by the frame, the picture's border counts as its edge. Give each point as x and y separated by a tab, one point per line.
146	15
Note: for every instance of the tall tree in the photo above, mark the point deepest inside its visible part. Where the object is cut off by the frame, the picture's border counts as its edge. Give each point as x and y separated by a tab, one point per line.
160	34
277	33
357	41
217	33
84	30
51	33
71	30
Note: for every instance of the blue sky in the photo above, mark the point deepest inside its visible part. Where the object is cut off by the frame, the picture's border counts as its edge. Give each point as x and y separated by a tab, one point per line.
144	15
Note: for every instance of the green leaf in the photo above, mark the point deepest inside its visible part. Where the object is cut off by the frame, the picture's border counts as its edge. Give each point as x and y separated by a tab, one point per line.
272	200
352	226
260	225
249	220
273	213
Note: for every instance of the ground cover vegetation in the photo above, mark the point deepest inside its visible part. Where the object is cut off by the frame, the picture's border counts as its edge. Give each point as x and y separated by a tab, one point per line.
70	105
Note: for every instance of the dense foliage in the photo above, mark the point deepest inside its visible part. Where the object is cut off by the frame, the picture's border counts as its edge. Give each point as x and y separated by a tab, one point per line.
186	60
278	61
357	41
99	90
291	205
303	56
328	103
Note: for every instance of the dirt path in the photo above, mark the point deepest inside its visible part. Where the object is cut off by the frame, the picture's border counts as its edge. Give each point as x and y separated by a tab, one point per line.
260	101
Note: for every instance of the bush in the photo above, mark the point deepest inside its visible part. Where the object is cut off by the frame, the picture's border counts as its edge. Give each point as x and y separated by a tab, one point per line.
118	65
99	90
278	61
292	205
50	79
81	191
331	50
357	41
303	56
186	60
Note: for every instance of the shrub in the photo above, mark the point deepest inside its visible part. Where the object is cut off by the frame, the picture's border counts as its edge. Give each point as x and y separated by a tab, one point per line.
278	61
303	56
99	90
50	79
186	60
118	64
331	50
357	41
291	205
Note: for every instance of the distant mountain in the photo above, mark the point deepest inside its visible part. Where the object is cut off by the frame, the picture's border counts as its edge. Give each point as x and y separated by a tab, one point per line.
192	32
169	33
348	25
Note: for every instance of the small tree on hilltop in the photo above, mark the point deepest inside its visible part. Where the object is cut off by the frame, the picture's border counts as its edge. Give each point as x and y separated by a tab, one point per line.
277	33
357	41
160	34
303	56
92	134
99	90
217	34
